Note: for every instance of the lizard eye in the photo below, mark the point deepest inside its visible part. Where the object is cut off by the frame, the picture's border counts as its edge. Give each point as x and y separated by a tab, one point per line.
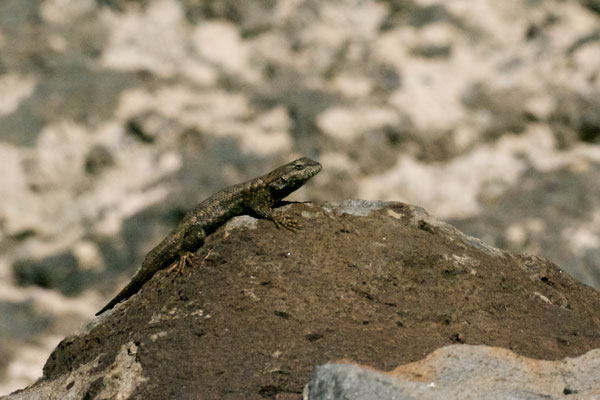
298	166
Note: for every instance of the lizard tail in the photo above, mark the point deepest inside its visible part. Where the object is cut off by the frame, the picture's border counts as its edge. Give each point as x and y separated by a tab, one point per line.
133	287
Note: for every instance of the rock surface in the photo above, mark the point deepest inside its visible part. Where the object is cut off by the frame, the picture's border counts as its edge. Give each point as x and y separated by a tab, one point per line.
463	372
382	284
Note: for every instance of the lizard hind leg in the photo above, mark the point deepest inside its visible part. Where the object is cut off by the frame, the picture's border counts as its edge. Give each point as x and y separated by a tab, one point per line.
185	259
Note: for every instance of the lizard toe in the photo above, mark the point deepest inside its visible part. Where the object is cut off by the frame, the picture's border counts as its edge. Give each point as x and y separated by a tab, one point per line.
289	223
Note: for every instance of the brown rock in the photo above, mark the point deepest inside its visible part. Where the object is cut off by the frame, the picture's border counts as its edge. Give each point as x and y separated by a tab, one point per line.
382	284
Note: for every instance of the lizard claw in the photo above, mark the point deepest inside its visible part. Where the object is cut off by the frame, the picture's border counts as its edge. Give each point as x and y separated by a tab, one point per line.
287	222
178	266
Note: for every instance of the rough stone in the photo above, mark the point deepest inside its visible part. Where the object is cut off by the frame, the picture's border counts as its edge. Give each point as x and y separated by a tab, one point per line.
462	372
382	284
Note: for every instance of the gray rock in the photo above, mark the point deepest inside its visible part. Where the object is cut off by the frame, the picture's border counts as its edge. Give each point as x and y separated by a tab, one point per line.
462	372
348	382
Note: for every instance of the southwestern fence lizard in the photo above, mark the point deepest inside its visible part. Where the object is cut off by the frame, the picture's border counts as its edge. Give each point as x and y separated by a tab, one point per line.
255	197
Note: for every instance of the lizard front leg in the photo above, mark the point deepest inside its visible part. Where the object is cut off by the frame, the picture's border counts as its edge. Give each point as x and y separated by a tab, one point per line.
280	220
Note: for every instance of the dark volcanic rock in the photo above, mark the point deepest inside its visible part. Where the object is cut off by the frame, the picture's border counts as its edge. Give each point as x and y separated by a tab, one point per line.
382	284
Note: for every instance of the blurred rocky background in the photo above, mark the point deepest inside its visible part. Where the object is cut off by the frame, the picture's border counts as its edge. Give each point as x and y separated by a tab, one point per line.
117	116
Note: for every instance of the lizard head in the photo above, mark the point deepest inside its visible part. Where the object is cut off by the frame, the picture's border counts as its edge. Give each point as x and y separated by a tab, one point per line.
284	180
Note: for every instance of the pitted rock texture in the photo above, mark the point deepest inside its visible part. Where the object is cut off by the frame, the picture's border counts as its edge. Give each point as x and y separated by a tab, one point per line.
382	284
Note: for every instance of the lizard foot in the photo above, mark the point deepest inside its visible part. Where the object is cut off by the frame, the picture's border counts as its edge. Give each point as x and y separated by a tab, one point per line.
185	259
287	222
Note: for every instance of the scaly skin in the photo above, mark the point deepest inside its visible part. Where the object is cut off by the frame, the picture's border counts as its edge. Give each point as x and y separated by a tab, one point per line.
255	197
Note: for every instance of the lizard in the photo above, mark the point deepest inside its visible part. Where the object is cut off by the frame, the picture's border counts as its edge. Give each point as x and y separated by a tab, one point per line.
256	197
